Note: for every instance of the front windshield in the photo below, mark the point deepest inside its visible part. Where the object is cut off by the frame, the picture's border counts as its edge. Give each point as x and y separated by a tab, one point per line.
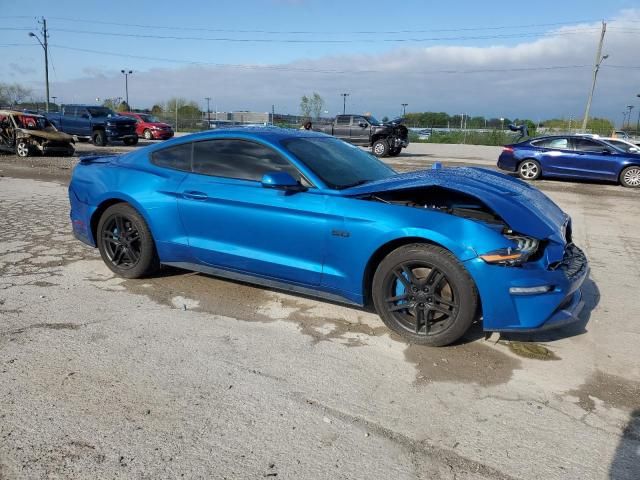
101	112
150	118
372	120
337	163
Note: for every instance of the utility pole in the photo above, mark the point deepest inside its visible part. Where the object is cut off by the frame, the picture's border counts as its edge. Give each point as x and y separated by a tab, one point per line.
126	74
344	102
599	60
404	109
273	114
45	45
208	99
629	108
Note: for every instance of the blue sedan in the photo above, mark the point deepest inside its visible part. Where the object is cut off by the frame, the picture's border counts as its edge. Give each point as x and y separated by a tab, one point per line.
572	156
433	251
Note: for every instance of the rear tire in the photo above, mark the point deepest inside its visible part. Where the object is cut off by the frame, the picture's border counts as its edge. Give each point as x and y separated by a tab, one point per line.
529	169
424	294
380	148
22	149
630	177
125	242
394	152
130	141
99	138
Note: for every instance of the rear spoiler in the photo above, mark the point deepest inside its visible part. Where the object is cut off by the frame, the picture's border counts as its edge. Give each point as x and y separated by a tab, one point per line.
89	159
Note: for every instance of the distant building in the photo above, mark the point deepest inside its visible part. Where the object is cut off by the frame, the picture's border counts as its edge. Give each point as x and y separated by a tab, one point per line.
240	117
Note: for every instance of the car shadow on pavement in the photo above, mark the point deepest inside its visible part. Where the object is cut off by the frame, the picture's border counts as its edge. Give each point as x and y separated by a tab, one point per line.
591	297
626	460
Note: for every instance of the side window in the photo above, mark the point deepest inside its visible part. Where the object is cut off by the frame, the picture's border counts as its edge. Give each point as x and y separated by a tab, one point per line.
343	120
238	159
586	145
561	143
359	120
70	111
177	158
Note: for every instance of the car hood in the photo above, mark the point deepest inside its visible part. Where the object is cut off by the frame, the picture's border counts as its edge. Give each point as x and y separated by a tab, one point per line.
54	135
524	208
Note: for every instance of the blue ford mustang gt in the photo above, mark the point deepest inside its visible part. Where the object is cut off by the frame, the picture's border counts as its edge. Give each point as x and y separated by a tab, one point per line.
432	250
572	156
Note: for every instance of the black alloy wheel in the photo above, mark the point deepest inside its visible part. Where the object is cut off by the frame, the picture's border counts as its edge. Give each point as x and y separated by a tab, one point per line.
423	293
125	242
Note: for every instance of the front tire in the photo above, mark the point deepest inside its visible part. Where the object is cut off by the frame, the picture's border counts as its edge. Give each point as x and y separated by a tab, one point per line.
148	135
529	169
630	177
424	294
130	141
22	149
395	151
125	242
99	138
380	148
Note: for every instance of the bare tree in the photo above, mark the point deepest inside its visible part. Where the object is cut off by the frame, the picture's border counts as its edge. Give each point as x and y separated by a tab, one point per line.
13	93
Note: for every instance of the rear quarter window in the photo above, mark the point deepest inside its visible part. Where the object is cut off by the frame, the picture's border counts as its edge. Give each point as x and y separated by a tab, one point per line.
561	143
176	158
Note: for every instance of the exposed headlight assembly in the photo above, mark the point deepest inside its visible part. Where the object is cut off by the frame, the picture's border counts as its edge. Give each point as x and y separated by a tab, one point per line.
511	256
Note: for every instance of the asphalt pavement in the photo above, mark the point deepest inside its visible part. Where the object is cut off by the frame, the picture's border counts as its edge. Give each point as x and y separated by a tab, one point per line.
187	376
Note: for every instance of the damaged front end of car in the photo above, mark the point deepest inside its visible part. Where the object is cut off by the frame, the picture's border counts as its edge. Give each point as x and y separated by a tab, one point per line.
526	268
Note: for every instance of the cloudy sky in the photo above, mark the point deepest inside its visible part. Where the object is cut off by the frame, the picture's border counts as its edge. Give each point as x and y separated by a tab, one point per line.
481	58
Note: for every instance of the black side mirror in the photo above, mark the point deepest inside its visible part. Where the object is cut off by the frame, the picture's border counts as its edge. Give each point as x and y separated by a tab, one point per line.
362	125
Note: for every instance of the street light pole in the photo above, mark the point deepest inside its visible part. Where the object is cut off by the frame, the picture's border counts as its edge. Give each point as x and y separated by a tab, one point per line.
208	99
344	102
599	59
45	46
404	109
126	74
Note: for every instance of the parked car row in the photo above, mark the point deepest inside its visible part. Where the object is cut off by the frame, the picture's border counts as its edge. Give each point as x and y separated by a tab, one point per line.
102	125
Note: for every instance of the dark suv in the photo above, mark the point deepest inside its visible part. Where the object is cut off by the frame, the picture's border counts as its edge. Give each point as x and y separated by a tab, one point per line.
100	124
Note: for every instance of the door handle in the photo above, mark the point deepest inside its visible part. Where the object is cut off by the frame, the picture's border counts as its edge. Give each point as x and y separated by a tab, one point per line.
194	195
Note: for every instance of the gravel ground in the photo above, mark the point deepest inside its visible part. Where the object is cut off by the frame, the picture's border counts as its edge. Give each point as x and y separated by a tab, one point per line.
187	376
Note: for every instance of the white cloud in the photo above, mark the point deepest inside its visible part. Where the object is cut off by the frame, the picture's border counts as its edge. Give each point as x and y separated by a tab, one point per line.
414	75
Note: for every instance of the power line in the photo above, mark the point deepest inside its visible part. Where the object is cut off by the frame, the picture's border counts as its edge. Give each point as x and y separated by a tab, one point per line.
324	41
328	71
316	32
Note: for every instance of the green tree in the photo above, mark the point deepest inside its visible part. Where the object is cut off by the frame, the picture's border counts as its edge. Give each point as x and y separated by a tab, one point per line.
317	105
305	106
157	109
123	107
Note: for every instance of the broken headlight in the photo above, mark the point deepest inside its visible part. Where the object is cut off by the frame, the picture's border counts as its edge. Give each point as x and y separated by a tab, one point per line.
510	256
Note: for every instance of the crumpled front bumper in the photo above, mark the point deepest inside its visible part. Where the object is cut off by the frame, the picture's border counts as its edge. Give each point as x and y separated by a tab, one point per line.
505	311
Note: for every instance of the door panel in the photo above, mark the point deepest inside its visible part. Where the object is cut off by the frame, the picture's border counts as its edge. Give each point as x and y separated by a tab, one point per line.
359	135
342	130
594	160
240	225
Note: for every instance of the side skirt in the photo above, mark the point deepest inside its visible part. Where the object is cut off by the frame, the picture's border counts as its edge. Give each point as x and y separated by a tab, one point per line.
265	282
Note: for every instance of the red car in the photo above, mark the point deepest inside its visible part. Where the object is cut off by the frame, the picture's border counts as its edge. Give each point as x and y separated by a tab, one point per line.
149	126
